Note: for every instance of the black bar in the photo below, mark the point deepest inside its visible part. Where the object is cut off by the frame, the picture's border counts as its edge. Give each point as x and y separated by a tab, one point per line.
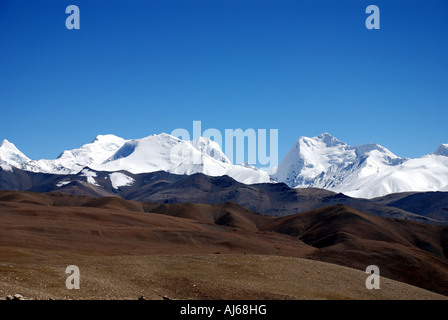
225	309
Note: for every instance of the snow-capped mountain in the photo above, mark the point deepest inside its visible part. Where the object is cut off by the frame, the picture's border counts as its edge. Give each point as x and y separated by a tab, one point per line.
428	173
442	150
11	156
170	154
365	171
68	162
323	161
154	153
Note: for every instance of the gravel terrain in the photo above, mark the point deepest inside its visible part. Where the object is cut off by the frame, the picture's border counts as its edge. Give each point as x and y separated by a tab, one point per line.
41	275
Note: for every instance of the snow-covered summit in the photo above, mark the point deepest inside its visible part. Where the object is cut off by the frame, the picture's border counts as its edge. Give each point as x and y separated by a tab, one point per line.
442	150
210	148
72	161
9	154
326	139
153	153
367	171
309	157
168	153
95	152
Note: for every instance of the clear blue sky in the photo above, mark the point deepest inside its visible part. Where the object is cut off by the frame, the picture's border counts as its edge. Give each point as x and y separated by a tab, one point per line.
137	68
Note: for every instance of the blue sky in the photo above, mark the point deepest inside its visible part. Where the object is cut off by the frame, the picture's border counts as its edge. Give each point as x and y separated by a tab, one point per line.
136	68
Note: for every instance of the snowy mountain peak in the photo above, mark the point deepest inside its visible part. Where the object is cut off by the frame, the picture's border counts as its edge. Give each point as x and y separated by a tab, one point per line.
98	151
210	148
6	145
310	157
326	162
368	170
168	153
9	154
163	134
442	150
370	148
107	138
144	149
328	140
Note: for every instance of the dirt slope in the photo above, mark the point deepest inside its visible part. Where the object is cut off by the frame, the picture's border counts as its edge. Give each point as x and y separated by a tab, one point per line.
406	251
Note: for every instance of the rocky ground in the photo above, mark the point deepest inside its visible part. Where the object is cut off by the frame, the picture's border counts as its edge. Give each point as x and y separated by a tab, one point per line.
36	274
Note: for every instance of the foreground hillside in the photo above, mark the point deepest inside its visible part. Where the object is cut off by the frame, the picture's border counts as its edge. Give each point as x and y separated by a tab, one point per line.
41	275
63	228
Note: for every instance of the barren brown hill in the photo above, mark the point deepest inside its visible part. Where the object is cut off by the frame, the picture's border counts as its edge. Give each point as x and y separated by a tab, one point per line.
406	251
41	274
429	204
228	214
110	226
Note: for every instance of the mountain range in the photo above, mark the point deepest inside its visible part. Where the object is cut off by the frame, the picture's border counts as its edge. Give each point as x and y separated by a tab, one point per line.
150	154
350	206
323	162
273	199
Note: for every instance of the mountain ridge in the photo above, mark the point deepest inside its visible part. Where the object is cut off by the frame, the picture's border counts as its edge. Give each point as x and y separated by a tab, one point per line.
274	199
323	161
